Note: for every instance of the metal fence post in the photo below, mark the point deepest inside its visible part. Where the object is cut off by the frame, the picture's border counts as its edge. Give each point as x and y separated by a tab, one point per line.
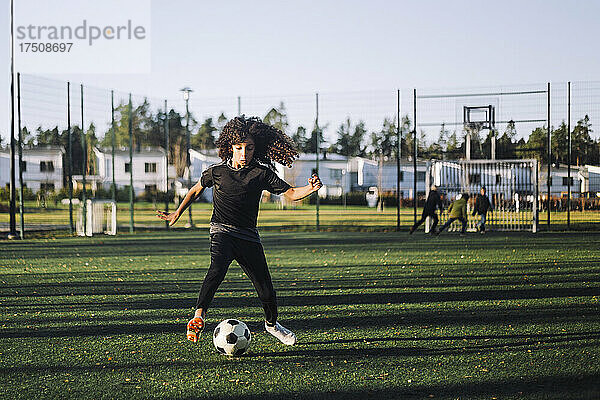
317	144
569	156
130	129
549	178
84	165
20	144
166	129
398	156
113	143
70	159
415	157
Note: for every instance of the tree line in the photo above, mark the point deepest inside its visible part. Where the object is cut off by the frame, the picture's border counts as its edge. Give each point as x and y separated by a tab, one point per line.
351	138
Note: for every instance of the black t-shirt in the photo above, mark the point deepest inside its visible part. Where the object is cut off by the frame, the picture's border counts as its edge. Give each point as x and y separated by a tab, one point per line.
237	192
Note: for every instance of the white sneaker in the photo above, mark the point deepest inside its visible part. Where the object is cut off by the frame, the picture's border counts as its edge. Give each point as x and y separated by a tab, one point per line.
282	333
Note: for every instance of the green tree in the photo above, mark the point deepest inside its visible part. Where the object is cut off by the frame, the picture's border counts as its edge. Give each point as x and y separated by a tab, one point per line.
454	149
146	127
311	146
560	144
221	121
204	138
356	146
277	117
300	139
477	143
384	142
91	141
350	139
177	141
406	133
437	148
536	145
584	150
505	144
342	145
47	136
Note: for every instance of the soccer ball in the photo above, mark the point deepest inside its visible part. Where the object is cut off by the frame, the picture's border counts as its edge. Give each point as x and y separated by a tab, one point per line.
231	337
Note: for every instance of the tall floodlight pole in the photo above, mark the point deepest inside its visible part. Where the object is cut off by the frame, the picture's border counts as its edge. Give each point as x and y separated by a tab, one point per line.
398	154
186	96
20	144
113	187
239	106
13	192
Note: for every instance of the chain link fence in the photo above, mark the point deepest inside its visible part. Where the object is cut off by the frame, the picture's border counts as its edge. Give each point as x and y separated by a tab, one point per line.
80	142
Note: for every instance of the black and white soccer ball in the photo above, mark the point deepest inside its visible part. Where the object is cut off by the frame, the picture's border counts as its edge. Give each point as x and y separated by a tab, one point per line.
232	337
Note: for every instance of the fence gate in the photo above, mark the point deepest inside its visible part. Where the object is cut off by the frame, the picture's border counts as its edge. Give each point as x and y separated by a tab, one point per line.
511	186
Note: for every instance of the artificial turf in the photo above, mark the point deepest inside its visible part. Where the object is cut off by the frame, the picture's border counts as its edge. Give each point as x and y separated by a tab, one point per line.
378	315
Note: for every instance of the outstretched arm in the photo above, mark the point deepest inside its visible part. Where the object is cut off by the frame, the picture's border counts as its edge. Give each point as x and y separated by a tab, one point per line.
189	198
298	193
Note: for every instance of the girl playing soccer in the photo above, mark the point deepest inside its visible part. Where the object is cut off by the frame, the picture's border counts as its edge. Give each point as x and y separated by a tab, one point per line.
248	148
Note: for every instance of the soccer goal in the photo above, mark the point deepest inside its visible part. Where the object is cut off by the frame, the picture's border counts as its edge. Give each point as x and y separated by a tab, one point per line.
511	186
101	217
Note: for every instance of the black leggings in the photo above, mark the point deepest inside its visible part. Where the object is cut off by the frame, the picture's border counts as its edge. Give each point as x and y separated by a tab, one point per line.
423	219
462	220
251	257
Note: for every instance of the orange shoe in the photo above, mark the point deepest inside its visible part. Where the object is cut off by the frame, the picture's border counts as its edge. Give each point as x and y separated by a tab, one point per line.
194	327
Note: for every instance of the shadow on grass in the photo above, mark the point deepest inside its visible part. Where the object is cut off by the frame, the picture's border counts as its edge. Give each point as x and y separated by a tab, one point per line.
562	386
557	386
529	338
161	302
112	247
128	286
132	323
165	243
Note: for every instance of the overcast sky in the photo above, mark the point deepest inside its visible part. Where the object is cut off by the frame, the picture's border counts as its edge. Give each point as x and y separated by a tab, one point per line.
230	48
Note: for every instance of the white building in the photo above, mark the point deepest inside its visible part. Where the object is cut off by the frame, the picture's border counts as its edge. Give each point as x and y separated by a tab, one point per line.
559	179
365	174
149	169
5	168
42	168
199	162
333	171
341	174
590	179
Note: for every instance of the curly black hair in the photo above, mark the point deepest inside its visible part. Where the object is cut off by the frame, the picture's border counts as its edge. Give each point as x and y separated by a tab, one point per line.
271	144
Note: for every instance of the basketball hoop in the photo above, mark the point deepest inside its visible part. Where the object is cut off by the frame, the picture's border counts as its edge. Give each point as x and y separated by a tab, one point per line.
479	117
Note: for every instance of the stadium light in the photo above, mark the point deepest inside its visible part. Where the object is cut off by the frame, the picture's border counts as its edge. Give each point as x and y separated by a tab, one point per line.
186	96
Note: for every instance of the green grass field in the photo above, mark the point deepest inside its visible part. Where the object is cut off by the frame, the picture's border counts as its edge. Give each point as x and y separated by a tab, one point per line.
378	316
303	217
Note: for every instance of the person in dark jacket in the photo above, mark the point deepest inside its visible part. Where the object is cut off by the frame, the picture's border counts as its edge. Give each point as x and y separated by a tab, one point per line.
482	205
433	202
457	211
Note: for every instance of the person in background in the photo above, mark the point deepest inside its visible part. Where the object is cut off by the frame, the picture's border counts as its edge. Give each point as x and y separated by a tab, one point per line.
433	202
482	206
457	211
